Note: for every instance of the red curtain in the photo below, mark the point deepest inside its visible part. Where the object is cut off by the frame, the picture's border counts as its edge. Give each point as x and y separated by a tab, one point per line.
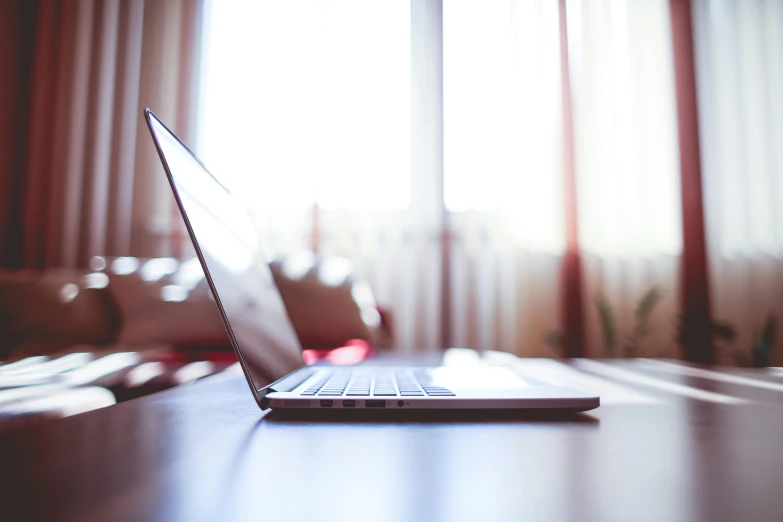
80	175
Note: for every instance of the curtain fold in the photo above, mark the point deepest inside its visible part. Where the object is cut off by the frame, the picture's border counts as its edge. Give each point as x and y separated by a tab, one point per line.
89	182
739	65
17	22
503	174
627	171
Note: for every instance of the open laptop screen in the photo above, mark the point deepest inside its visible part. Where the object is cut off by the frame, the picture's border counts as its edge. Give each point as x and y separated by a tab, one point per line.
223	232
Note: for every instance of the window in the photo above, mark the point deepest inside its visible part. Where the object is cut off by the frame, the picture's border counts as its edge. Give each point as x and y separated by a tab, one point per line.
502	113
309	102
625	127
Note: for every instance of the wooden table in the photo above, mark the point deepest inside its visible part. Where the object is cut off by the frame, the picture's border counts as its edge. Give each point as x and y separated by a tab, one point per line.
671	442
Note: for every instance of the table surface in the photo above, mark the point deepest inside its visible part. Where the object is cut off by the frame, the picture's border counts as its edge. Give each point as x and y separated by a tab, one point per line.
670	442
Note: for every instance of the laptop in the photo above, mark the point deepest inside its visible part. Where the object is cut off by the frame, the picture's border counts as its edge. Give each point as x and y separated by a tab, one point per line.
266	344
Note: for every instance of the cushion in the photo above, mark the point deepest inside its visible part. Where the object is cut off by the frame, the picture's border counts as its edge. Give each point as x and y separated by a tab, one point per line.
44	312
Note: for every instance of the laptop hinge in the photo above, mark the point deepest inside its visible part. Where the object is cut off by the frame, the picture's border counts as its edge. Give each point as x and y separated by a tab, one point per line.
285	384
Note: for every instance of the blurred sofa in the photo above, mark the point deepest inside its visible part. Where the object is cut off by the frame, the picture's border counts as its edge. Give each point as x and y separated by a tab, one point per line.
71	341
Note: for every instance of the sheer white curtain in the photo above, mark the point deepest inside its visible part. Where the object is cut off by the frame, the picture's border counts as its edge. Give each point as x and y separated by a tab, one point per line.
503	172
739	58
627	166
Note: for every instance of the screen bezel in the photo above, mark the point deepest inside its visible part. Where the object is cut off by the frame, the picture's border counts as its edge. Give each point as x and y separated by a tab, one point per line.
258	394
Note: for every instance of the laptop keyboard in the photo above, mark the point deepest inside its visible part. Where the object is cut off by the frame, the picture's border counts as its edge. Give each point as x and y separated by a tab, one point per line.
372	383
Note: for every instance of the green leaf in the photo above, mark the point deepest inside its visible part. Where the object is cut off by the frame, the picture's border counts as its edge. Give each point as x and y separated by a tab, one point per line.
768	334
764	343
607	323
647	303
723	330
643	311
554	339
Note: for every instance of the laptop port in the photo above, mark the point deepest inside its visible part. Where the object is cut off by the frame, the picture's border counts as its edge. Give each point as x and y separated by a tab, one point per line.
349	404
375	404
327	404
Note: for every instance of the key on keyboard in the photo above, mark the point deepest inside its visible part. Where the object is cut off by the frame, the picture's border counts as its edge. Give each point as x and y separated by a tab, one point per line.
382	384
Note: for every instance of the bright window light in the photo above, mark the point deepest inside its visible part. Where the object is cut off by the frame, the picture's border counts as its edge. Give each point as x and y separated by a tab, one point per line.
625	127
502	113
308	101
